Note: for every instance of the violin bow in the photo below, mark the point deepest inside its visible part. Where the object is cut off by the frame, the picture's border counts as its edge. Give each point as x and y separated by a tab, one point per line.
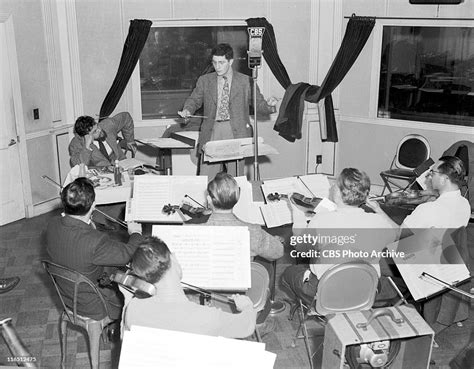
52	181
200	290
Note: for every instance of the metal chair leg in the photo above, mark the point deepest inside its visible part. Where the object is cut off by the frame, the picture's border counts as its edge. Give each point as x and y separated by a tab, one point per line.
63	338
94	332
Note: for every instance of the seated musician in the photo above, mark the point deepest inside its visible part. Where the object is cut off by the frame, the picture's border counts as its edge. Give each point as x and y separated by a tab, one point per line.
223	192
170	309
348	192
73	241
450	209
96	144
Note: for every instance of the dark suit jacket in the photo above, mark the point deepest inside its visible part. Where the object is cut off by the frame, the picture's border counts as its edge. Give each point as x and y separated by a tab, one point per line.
205	93
78	246
120	123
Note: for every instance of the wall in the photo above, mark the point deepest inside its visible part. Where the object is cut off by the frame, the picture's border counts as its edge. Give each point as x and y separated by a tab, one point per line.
365	141
103	26
30	42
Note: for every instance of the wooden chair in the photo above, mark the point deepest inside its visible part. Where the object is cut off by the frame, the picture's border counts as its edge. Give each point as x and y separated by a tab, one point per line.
93	327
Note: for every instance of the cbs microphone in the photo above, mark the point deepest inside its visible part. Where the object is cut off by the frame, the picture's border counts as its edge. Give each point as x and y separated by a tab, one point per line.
255	46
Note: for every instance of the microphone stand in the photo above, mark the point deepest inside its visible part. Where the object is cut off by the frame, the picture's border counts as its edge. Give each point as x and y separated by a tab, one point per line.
256	170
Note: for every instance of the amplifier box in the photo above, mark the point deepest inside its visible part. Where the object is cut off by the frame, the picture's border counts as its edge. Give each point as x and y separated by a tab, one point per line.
398	327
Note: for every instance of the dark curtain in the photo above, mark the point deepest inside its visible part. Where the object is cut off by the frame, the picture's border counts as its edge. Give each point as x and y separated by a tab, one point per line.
289	119
357	32
136	38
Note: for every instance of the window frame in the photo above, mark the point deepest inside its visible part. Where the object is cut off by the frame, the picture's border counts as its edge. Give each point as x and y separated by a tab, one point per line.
375	75
135	88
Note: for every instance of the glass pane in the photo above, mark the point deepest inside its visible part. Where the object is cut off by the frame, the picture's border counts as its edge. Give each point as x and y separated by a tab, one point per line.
174	57
427	74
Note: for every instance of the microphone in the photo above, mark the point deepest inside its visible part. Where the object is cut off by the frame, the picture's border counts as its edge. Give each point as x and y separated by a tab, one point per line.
255	46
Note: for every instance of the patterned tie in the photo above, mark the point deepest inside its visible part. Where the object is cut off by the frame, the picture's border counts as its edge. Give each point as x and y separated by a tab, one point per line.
223	113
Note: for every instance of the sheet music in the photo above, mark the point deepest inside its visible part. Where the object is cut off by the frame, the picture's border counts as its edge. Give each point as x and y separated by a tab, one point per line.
223	149
233	149
427	251
151	193
276	213
246	209
129	163
211	257
317	183
285	186
144	347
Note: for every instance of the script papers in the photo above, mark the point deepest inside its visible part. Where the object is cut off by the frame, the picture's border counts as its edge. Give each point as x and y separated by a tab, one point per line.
234	149
151	193
431	251
158	348
212	257
278	213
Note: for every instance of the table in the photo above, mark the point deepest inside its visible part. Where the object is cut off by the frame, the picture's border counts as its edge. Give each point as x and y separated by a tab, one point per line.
107	192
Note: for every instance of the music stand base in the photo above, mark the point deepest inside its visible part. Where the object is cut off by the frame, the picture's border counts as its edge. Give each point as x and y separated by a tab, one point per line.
277	307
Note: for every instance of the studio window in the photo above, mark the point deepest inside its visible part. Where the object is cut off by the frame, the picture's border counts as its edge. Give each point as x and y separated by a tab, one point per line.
174	57
427	74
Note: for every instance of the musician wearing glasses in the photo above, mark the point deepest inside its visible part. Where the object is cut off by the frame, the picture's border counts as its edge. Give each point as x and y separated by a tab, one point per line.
169	308
73	241
450	209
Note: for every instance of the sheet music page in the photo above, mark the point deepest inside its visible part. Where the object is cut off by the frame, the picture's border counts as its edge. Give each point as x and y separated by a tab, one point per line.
247	151
426	251
129	163
317	183
276	213
151	193
194	186
222	150
211	257
144	347
246	209
284	186
228	149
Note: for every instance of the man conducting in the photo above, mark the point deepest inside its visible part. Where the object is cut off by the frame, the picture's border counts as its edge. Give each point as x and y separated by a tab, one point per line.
226	96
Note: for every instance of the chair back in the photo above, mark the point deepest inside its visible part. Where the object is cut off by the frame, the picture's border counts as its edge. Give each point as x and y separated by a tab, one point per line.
346	287
259	289
64	275
412	150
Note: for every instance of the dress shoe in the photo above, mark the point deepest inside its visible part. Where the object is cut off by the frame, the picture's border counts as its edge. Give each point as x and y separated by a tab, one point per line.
7	284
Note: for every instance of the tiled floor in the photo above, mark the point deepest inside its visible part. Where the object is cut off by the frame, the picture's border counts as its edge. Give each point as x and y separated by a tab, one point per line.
34	308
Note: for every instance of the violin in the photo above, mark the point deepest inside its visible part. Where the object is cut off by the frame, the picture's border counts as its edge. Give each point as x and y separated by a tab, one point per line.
191	211
309	203
135	285
412	197
143	289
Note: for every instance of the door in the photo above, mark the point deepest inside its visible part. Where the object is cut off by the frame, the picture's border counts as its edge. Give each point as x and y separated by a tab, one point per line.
12	203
